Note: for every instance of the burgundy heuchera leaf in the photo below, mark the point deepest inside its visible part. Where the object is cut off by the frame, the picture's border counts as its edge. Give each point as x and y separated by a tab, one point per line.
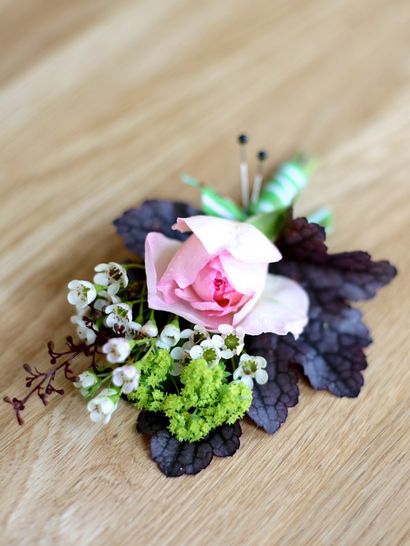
330	350
346	275
271	401
154	215
176	458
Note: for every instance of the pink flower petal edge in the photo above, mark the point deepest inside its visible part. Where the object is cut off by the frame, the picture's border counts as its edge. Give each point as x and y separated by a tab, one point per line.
243	241
281	309
159	250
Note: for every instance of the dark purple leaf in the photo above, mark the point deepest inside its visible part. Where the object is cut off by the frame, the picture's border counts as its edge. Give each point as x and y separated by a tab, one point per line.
149	422
271	401
153	215
347	275
302	241
176	458
330	350
225	440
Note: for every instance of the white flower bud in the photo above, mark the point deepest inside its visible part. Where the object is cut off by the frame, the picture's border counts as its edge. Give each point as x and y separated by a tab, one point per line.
86	380
149	329
170	335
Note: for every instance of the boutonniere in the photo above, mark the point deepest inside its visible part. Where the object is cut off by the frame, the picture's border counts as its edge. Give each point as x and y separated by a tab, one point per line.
206	324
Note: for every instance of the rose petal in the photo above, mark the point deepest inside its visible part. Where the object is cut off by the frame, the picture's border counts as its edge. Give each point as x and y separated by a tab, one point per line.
186	263
282	308
217	234
158	252
244	277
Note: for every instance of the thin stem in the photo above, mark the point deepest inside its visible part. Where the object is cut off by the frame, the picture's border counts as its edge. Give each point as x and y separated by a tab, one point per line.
41	383
134	301
174	382
133	266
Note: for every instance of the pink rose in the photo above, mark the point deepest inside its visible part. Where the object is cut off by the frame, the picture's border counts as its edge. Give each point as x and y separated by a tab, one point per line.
219	275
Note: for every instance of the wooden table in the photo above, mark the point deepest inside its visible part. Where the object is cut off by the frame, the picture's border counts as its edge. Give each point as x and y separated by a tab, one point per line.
103	104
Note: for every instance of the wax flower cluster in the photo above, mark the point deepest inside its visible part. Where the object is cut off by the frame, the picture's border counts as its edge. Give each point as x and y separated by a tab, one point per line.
199	380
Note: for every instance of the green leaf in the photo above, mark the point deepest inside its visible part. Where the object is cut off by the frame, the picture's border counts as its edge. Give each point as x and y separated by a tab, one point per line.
272	223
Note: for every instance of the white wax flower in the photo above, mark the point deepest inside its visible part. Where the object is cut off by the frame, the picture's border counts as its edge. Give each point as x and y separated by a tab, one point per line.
112	275
84	332
102	406
81	293
119	314
208	350
232	340
251	368
126	377
104	299
117	349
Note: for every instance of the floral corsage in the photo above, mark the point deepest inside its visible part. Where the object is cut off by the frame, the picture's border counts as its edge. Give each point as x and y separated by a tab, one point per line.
215	318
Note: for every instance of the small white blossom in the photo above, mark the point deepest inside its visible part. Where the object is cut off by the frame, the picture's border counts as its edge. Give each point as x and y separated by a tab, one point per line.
232	340
119	314
207	350
86	380
126	377
84	332
117	350
82	312
251	368
149	329
120	319
200	331
169	336
81	293
102	406
112	275
195	336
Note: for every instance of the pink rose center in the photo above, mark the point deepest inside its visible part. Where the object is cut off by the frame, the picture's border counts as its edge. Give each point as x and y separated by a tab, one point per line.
212	285
220	284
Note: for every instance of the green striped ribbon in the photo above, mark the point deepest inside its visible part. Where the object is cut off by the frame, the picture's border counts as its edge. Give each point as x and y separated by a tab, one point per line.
281	191
323	217
212	203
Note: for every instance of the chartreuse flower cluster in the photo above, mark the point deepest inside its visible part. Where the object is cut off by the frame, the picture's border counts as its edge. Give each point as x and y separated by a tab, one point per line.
202	398
197	379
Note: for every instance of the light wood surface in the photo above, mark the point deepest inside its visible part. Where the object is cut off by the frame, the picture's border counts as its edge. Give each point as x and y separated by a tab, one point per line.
103	104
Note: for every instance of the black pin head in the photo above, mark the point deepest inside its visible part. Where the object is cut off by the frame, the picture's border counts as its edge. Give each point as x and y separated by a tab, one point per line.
243	138
262	155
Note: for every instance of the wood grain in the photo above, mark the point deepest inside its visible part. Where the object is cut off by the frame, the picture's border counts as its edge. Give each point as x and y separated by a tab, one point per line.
102	104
